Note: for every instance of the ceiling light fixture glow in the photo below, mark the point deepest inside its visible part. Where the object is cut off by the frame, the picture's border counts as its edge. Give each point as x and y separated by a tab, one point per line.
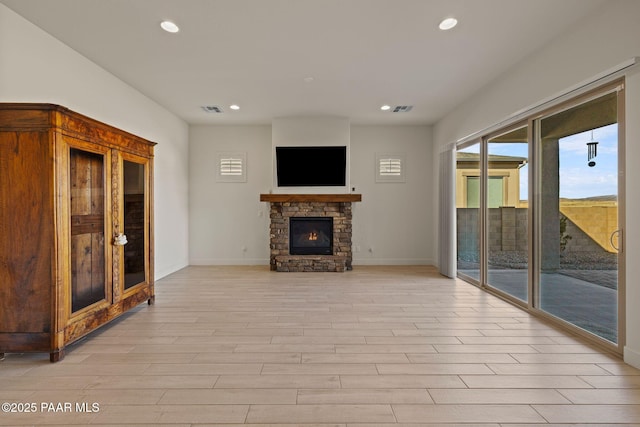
448	23
169	27
234	107
385	107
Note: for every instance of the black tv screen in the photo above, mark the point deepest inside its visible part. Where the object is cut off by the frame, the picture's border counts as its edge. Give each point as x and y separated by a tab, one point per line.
311	166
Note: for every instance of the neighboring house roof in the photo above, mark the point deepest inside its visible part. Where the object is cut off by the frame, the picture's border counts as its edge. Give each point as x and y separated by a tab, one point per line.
506	162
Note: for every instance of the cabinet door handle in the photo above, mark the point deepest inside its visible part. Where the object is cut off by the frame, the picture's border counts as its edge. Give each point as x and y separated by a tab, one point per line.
120	240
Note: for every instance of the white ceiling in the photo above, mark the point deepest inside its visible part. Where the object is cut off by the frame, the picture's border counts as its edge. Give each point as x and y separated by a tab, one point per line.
257	53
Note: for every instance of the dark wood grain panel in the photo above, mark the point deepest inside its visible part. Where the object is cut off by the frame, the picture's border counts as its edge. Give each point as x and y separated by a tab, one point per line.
26	231
25	342
82	224
12	120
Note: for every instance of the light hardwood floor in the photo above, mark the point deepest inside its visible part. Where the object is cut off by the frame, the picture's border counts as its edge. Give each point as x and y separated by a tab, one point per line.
374	346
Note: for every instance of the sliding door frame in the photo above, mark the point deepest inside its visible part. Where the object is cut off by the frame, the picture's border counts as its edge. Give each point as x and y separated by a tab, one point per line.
484	267
481	255
532	121
614	86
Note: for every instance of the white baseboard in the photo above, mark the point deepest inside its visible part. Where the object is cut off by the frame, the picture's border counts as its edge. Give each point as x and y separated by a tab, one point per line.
392	261
159	274
229	261
632	357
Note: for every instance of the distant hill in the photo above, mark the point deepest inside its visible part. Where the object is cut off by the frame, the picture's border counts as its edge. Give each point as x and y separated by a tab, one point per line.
607	198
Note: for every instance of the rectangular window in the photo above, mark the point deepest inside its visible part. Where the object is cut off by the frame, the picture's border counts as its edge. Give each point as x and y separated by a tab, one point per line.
495	192
231	167
390	167
473	192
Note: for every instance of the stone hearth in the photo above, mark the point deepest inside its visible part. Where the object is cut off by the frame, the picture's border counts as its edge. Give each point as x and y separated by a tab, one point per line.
285	206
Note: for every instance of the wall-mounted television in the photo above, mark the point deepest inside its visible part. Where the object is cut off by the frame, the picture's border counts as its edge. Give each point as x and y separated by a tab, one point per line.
324	166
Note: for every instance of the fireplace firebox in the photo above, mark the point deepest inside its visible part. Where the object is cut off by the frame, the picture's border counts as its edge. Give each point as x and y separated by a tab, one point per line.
311	236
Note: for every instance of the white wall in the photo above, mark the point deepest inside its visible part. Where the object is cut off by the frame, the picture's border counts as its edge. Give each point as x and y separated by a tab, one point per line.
228	223
607	38
310	131
392	219
35	67
392	223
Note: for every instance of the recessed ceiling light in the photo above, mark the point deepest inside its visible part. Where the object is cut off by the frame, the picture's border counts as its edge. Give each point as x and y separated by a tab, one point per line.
448	23
234	107
385	107
169	27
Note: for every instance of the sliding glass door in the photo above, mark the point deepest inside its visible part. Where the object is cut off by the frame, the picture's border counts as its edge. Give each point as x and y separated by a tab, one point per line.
539	216
578	216
468	194
507	207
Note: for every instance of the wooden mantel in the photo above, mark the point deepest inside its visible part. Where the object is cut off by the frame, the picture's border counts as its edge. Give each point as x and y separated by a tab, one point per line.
301	198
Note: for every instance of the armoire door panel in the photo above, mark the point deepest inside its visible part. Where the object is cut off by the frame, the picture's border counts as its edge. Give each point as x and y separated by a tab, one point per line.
135	217
88	262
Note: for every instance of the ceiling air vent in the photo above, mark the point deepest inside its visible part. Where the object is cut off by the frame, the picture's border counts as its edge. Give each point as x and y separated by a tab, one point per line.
402	108
212	109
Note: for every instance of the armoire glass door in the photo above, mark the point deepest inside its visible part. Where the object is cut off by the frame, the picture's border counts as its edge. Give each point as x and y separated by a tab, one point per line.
135	222
88	265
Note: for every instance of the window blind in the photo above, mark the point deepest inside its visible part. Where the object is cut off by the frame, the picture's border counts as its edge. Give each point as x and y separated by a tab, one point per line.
230	166
390	167
447	218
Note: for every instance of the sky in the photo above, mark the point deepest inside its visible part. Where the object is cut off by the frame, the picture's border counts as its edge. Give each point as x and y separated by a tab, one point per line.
577	179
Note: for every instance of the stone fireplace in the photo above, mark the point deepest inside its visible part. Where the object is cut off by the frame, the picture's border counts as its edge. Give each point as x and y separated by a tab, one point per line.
321	228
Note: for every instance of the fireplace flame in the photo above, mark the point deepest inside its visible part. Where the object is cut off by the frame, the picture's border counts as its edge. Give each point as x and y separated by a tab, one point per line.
313	236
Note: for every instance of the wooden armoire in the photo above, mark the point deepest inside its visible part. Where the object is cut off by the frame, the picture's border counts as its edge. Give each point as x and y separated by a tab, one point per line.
76	226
